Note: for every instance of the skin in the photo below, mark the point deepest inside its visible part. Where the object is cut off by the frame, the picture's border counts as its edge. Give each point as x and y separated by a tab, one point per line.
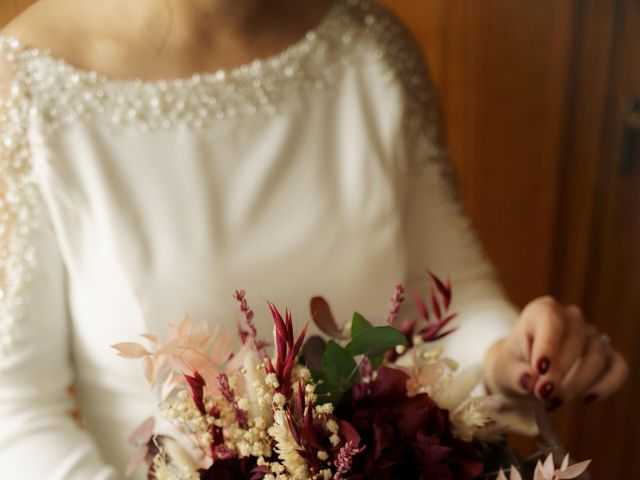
160	39
551	352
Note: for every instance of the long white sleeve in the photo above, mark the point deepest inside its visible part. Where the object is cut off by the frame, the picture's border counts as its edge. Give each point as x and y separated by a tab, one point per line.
441	239
39	439
439	234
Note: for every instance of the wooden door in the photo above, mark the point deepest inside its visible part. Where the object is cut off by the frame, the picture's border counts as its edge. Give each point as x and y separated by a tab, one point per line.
10	8
602	218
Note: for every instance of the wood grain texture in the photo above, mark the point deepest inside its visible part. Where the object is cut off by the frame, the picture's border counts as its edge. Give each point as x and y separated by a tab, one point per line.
11	8
502	69
611	284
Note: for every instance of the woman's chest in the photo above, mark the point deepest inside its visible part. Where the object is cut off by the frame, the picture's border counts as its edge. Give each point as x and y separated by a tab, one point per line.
172	221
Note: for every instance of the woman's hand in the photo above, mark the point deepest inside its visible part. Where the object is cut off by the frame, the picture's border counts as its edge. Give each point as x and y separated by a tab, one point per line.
552	353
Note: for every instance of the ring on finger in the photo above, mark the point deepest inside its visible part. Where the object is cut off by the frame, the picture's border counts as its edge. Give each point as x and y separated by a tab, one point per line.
605	340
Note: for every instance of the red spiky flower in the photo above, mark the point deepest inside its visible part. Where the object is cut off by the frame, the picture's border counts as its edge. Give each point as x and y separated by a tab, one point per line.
287	350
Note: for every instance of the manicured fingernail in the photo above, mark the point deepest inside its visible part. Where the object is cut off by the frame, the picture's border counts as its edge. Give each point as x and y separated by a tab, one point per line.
554	404
546	390
543	365
525	382
589	399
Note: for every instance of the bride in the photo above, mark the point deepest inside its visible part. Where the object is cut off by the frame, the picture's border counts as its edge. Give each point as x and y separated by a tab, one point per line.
158	155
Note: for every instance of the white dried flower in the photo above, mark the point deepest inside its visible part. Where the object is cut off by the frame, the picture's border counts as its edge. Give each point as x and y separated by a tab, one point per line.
279	399
287	448
271	380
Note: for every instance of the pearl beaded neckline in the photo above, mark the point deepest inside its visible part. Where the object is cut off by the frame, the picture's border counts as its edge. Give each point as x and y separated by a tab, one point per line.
62	93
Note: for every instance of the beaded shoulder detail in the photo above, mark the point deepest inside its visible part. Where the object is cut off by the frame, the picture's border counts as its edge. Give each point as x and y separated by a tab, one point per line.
19	201
63	93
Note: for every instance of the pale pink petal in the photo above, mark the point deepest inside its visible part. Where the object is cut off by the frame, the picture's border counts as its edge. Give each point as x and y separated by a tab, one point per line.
136	460
143	433
169	347
154	339
501	476
170	383
574	470
150	372
538	474
173	331
200	333
515	474
130	350
184	327
548	468
565	462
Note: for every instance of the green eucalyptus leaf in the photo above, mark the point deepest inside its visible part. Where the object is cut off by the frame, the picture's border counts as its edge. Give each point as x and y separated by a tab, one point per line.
358	324
338	367
375	341
327	393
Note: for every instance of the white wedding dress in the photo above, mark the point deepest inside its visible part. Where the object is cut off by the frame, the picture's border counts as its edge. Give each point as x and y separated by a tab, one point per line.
126	204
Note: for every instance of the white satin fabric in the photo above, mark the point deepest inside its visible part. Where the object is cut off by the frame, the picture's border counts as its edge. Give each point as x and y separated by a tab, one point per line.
325	196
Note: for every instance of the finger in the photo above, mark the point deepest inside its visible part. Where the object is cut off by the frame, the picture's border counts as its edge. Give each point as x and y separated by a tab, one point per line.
511	374
544	322
586	371
570	351
611	381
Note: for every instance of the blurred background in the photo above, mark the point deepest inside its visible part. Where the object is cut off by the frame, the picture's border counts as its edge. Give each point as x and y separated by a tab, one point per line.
541	102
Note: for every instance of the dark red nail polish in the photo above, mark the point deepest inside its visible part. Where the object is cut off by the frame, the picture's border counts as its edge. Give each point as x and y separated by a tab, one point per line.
546	390
554	404
589	399
525	381
543	365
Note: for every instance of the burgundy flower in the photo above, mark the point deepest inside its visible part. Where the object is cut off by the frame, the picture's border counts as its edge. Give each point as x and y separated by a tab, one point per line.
406	437
233	469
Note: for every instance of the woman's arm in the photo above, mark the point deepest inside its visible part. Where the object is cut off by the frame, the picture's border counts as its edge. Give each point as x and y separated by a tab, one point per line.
38	436
547	352
440	238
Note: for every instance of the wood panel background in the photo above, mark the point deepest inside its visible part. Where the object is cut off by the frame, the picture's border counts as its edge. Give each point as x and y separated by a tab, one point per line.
533	94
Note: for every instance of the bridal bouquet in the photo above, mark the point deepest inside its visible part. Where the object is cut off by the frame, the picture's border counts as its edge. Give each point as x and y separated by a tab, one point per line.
374	401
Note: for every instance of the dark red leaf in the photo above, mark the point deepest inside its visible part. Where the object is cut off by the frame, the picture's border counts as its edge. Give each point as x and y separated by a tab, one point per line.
422	308
323	318
313	350
298	345
300	397
294	429
289	328
444	290
349	433
434	303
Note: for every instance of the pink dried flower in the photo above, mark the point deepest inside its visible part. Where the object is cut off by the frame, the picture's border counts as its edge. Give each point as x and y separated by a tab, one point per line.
229	396
547	470
396	303
287	350
345	459
191	348
251	333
